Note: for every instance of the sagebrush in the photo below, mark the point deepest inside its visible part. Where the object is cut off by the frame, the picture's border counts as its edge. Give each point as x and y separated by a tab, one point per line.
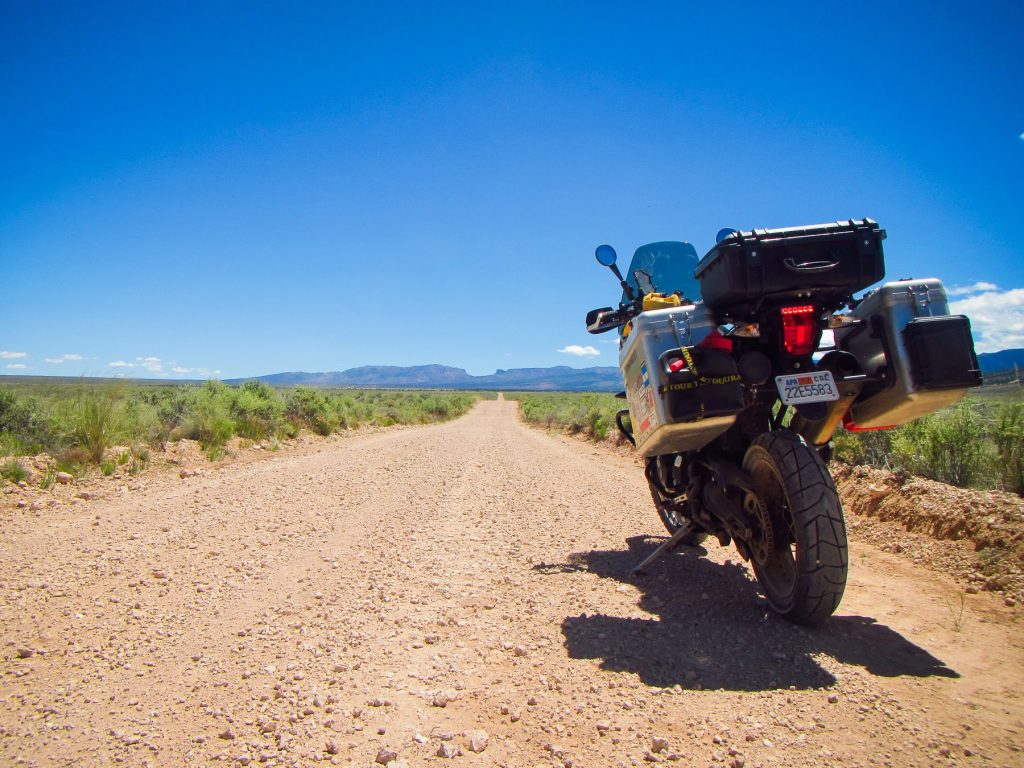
79	423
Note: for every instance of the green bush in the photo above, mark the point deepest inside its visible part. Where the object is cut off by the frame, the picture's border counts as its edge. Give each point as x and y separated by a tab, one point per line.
48	479
13	470
309	408
256	410
1008	436
592	414
945	446
139	457
25	424
874	448
141	422
208	419
94	422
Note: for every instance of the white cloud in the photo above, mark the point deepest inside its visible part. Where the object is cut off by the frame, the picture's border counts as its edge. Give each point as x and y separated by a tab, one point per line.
157	367
18	366
997	318
963	290
12	355
202	373
151	364
62	358
577	351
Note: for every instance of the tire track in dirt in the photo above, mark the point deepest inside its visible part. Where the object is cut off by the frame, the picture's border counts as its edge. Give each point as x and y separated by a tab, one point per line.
320	607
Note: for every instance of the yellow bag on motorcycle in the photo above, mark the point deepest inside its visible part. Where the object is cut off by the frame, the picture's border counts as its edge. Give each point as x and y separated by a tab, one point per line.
660	301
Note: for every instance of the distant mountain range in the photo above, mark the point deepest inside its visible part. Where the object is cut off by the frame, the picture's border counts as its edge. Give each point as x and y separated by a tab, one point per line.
1003	360
559	378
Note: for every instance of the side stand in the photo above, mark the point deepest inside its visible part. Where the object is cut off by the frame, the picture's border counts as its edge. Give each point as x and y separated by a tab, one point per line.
666	546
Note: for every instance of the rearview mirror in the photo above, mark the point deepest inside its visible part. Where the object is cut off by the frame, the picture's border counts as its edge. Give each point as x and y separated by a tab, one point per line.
606	255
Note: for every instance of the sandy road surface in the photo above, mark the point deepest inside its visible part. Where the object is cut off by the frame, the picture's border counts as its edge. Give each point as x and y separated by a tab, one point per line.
319	606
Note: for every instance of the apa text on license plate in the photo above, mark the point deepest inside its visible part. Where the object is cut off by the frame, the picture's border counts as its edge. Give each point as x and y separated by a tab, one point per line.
812	387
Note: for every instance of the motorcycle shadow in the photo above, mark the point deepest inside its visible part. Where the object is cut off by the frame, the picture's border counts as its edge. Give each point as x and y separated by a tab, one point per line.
715	630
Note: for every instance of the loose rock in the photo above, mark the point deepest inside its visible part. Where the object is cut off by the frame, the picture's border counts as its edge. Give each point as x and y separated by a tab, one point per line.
477	741
448	750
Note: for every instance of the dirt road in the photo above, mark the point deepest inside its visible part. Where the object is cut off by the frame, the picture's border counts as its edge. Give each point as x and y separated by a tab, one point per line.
400	592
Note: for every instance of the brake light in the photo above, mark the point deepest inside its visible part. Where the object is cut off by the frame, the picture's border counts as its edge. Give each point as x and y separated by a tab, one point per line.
798	329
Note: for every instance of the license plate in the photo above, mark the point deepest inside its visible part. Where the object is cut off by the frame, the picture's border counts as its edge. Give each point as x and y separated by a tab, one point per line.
816	387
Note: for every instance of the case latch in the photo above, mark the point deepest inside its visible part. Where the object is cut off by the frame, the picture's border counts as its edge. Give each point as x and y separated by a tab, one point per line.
921	295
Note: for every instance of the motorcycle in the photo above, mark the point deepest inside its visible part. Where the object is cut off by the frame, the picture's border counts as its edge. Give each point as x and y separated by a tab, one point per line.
733	398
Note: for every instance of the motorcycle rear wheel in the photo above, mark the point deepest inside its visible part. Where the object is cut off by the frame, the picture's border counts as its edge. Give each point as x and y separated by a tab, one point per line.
805	574
673	521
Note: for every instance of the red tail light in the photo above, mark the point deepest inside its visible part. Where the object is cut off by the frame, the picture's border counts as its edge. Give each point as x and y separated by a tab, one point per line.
798	329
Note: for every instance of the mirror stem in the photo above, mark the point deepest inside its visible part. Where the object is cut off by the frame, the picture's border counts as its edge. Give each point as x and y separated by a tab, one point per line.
625	286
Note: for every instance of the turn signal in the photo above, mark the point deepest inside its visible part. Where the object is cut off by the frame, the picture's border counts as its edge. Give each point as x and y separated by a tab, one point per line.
798	329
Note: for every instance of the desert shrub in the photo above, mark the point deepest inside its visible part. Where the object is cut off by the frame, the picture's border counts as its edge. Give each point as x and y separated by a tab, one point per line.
591	414
944	446
25	424
1008	436
309	408
94	422
140	421
13	470
171	407
256	410
139	458
73	459
874	448
350	413
208	419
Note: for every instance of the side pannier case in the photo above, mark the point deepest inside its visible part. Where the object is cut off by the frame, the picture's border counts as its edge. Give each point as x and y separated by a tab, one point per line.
923	355
681	393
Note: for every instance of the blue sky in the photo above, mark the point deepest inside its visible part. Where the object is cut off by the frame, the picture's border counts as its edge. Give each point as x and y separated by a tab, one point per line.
246	188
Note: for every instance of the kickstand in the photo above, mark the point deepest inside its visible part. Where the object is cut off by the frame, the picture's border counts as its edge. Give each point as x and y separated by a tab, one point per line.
666	546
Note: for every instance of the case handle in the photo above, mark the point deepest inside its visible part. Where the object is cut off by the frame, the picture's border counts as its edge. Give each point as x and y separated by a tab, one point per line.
810	266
